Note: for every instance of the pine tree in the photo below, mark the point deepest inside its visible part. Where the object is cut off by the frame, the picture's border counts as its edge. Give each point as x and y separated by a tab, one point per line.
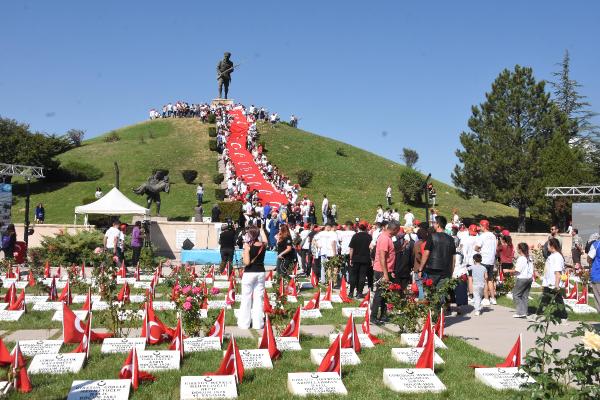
501	156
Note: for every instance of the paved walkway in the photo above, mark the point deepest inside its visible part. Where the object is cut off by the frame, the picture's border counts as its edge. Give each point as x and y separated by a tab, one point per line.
495	331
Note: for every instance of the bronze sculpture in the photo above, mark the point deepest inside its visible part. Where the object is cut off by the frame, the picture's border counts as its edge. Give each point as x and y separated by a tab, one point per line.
156	183
224	70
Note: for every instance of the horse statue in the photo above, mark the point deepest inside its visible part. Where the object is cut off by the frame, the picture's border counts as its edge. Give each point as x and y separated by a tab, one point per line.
156	183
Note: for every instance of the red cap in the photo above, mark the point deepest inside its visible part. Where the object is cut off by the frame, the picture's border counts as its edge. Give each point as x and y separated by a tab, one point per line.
417	222
505	232
473	230
363	224
484	223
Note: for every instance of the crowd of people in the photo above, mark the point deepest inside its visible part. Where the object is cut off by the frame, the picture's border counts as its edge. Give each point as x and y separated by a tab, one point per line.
183	109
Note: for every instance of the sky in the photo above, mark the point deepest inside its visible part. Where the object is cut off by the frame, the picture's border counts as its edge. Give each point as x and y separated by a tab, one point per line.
380	75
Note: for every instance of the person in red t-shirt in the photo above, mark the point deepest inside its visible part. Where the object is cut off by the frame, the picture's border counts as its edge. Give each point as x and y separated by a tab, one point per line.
383	267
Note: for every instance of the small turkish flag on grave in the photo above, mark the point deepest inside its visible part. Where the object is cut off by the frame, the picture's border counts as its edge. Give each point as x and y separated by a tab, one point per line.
583	298
438	329
123	270
365	302
350	338
267	308
514	357
332	361
21	380
230	300
218	328
313	279
327	296
232	362
177	343
268	340
293	328
573	293
47	269
314	303
5	358
344	291
131	370
84	345
291	288
65	295
426	332
18	303
426	360
31	278
53	295
124	293
366	328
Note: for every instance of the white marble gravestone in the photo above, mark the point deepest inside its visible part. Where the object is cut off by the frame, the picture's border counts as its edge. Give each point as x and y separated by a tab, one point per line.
363	338
412	380
109	389
256	358
30	348
310	314
207	387
412	339
61	363
503	378
159	360
315	384
196	344
410	355
349	356
123	345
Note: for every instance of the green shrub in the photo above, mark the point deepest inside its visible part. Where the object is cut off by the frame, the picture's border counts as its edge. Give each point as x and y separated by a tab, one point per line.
230	209
304	177
189	175
75	171
65	249
218	178
212	131
341	152
220	194
411	185
112	137
211	118
212	144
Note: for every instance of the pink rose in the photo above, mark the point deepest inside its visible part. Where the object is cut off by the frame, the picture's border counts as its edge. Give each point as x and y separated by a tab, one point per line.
186	289
177	288
215	290
187	305
98	250
196	290
189	299
390	306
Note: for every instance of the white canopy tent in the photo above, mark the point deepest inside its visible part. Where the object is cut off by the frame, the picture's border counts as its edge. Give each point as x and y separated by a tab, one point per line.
112	203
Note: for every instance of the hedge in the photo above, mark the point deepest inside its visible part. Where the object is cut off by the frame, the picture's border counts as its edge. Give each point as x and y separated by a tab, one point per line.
212	131
189	175
218	178
230	209
212	144
220	194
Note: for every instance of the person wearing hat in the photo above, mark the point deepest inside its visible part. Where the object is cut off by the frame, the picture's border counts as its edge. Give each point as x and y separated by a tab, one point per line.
486	245
506	251
224	70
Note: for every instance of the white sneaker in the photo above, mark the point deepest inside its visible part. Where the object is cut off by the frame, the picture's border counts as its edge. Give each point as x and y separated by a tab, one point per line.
519	316
485	302
493	301
477	313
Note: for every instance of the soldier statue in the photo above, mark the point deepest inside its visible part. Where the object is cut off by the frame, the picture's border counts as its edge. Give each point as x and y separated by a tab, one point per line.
224	70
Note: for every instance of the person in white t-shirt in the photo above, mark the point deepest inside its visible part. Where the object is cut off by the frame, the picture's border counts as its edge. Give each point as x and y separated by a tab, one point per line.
523	270
553	270
325	209
467	248
395	216
388	195
328	244
379	216
113	239
486	246
408	218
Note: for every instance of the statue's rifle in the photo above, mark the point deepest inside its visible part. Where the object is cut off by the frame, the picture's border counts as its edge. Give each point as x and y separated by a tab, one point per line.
227	70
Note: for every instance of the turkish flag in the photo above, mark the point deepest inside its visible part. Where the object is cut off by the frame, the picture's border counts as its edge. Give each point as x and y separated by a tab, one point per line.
366	328
136	274
232	362
293	328
314	303
84	345
53	295
21	379
583	298
281	287
573	293
269	276
123	270
211	272
426	332
365	302
291	288
153	328
124	293
344	291
327	296
177	342
83	270
174	293
11	295
73	330
65	295
267	308
219	327
58	272
514	357
19	303
438	329
268	340
5	358
47	269
31	278
131	370
313	279
87	304
350	338
426	358
332	361
230	300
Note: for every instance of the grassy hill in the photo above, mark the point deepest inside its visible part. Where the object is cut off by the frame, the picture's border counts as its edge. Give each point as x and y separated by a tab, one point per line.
355	182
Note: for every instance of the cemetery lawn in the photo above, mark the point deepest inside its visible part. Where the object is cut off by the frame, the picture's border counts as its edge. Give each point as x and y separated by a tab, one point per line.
355	182
364	381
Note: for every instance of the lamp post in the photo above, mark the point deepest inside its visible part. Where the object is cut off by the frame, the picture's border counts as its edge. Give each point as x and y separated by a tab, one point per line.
426	198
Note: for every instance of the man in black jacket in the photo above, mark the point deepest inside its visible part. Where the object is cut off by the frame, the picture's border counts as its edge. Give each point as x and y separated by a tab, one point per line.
360	259
227	242
438	256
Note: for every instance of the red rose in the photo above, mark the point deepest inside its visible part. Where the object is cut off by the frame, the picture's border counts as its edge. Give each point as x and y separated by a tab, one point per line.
428	282
395	287
415	288
390	307
464	278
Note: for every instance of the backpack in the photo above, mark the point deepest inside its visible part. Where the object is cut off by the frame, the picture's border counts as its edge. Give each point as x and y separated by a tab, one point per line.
404	259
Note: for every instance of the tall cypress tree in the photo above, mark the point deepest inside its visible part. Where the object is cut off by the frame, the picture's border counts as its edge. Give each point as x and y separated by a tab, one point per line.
500	159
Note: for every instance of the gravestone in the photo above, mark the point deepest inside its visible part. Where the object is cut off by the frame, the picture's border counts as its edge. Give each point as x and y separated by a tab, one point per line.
109	389
207	387
121	281
355	311
348	356
60	284
335	298
363	338
196	344
80	298
412	380
21	284
221	284
163	305
11	316
217	304
146	277
582	309
306	286
291	299
47	306
3	306
142	285
35	299
159	360
256	358
310	314
315	384
137	298
410	355
412	339
99	305
503	378
122	345
58	314
62	363
285	343
323	305
30	348
125	315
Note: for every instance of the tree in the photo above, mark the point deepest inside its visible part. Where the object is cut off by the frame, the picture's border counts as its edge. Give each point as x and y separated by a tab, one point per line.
75	136
409	156
18	145
411	184
500	159
569	101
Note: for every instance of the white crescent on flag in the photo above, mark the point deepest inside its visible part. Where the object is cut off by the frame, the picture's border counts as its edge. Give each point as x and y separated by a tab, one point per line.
77	325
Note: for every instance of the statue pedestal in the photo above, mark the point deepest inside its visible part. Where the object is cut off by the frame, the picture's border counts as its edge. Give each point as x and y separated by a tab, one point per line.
222	102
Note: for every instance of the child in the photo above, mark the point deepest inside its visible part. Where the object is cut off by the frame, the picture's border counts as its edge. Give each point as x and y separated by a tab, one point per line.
480	276
524	272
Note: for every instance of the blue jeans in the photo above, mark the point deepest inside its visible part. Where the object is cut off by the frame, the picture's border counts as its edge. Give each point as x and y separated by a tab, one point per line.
419	282
200	198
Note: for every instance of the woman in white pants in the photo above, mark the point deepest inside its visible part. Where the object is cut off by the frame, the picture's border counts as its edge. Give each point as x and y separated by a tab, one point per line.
253	280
